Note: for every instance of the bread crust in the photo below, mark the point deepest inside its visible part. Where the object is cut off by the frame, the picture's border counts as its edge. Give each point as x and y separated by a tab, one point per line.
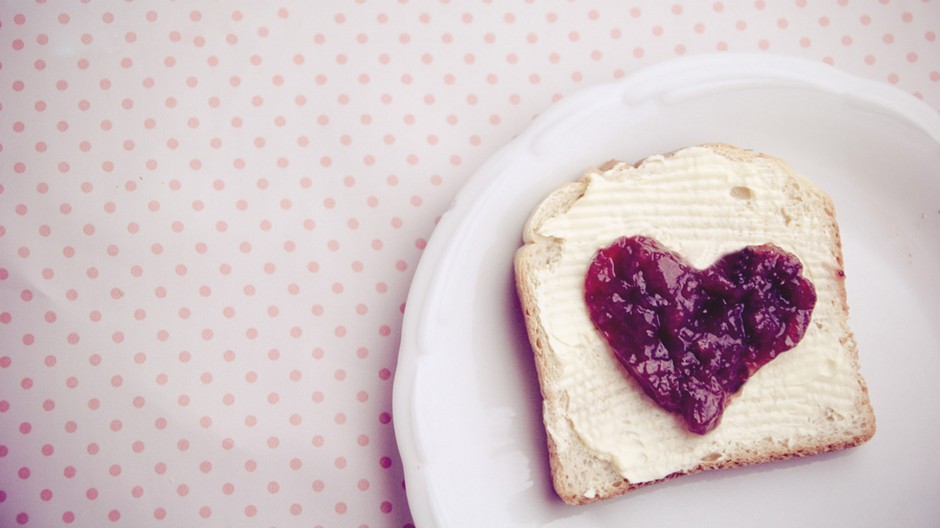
579	475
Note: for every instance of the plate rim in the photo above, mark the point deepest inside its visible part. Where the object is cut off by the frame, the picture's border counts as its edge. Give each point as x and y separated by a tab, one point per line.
711	71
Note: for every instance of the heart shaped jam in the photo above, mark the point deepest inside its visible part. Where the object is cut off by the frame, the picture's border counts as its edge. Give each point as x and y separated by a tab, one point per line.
692	337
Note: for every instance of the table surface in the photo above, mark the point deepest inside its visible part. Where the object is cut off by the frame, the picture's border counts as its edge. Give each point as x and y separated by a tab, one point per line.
210	214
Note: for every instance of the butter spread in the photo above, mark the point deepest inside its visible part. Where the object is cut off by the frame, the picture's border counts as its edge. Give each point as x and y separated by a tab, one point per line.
701	205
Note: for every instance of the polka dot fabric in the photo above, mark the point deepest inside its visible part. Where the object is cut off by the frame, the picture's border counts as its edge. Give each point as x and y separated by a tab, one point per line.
210	214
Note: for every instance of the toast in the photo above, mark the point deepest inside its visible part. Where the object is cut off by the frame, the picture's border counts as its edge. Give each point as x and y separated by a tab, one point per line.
605	435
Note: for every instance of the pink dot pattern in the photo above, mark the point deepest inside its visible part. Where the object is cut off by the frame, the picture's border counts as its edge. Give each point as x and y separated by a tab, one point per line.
210	214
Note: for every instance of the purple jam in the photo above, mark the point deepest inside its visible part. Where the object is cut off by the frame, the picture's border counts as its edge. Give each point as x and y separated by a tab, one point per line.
692	337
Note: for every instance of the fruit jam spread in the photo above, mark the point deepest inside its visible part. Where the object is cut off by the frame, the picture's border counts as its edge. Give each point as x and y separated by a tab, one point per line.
692	337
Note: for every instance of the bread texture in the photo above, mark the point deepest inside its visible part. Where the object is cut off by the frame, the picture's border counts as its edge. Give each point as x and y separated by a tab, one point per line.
605	436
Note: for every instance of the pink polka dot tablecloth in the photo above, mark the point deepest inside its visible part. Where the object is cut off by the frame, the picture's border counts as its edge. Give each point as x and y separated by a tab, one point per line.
210	214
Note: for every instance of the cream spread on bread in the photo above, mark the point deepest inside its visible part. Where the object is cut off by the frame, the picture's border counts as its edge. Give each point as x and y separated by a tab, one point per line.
702	205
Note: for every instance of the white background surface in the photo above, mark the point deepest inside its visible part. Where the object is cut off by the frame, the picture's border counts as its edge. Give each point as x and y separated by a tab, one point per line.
210	214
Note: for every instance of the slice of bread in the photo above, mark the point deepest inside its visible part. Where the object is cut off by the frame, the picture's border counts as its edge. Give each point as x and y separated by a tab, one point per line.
605	435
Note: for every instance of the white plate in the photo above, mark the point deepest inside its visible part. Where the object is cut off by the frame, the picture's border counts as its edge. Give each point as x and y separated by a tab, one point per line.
466	399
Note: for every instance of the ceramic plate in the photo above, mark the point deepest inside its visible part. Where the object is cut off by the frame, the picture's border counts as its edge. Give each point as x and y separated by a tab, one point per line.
466	398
